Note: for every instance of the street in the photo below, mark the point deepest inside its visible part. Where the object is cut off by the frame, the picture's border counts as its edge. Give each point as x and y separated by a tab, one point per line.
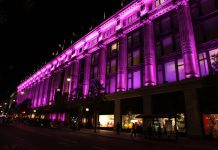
23	137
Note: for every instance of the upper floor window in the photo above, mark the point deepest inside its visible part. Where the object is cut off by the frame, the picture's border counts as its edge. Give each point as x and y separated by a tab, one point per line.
81	70
113	49
94	65
134	39
171	71
159	2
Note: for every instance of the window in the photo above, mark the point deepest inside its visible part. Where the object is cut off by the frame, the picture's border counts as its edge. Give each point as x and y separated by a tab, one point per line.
134	39
111	67
160	74
170	71
134	80
159	2
167	45
203	64
167	37
181	70
81	70
94	65
214	59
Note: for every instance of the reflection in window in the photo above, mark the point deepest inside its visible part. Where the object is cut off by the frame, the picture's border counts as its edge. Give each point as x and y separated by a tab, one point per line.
214	59
203	64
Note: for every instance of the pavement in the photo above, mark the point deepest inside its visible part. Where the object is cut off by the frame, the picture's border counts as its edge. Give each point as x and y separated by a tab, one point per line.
182	142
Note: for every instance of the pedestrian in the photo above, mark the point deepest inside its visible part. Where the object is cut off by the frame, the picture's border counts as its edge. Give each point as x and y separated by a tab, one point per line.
118	127
133	130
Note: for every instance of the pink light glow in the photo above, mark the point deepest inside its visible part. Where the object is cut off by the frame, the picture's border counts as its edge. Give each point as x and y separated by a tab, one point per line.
79	44
91	36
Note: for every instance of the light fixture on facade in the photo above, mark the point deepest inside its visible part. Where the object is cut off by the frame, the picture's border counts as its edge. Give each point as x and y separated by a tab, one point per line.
34	110
22	92
6	103
87	109
58	90
14	100
68	79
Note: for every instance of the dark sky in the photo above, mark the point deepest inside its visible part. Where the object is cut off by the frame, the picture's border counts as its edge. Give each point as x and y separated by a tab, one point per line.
30	30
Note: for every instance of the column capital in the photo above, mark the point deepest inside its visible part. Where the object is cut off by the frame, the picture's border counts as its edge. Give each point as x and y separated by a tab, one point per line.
120	34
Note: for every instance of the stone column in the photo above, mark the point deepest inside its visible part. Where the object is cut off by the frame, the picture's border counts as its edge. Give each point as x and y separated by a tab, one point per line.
193	116
149	54
75	75
102	64
187	40
147	109
116	111
86	75
122	63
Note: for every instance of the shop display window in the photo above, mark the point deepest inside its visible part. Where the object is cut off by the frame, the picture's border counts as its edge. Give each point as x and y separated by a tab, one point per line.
127	121
211	125
106	121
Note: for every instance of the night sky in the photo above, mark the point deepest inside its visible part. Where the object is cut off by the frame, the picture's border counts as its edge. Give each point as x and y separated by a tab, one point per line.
31	30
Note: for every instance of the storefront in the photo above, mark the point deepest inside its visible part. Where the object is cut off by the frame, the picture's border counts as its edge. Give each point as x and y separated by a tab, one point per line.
130	108
211	125
208	97
169	113
128	120
106	121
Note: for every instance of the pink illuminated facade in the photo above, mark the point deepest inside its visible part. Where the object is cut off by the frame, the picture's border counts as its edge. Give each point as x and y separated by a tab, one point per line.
151	57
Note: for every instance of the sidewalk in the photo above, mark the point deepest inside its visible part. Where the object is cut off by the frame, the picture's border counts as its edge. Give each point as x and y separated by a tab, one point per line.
182	142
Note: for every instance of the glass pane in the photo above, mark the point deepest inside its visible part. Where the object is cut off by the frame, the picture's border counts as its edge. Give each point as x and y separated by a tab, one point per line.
165	24
129	59
112	85
168	45
129	83
129	41
113	65
114	48
203	64
160	77
136	57
170	71
181	69
214	59
137	79
136	39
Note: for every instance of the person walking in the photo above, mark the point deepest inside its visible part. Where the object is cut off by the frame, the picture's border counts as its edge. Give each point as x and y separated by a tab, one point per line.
133	130
118	127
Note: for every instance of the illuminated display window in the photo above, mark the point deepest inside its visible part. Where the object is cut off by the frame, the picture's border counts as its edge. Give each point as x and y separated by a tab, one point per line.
106	121
127	121
167	125
211	125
